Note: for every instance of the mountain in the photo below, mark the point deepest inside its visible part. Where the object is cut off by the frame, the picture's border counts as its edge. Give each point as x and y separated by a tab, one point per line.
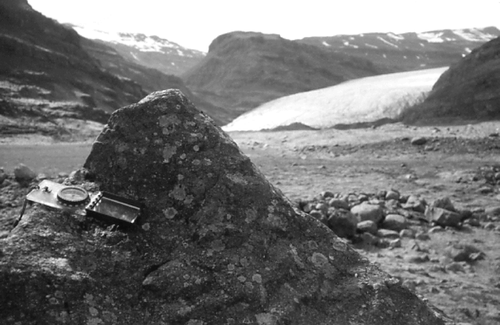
150	79
468	91
408	51
45	72
360	102
53	81
245	69
150	51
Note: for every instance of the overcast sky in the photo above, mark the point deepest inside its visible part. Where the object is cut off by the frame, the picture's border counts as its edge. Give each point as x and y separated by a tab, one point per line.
195	23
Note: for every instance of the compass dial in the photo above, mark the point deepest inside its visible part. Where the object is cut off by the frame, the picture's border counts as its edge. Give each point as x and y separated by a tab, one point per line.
73	196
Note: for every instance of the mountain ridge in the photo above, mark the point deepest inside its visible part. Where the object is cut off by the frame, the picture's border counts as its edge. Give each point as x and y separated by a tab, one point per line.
150	51
409	51
245	69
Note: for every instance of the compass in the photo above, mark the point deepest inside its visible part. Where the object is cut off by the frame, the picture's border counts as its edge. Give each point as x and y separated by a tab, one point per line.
102	205
73	196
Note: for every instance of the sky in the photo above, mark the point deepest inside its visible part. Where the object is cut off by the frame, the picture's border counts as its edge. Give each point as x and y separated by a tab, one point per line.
196	23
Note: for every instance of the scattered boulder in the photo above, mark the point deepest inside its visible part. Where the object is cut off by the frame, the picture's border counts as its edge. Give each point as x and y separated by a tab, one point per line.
339	204
216	242
392	195
489	226
492	211
422	235
417	258
366	211
485	189
23	173
435	230
418	141
415	203
392	205
386	233
442	217
394	222
443	203
367	226
407	233
326	194
323	207
3	176
369	239
342	223
455	267
395	243
464	253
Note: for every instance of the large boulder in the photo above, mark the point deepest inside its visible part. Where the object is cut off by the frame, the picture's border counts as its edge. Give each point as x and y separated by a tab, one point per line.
216	243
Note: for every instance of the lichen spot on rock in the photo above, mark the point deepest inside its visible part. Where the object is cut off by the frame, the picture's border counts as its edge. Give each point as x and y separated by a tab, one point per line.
178	193
251	215
266	319
319	260
169	213
168	123
168	152
257	278
237	179
277	222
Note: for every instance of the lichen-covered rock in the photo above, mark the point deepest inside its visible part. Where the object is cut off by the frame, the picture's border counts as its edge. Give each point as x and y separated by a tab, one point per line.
216	244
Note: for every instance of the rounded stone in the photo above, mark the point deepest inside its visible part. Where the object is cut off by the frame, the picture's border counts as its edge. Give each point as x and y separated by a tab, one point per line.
366	211
394	222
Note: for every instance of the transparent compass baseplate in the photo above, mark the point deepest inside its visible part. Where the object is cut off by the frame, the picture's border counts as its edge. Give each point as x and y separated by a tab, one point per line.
102	205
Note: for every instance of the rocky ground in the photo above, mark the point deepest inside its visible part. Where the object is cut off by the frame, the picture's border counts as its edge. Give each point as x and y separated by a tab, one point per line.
422	203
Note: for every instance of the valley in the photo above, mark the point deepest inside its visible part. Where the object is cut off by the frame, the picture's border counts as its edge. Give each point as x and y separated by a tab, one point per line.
332	120
303	164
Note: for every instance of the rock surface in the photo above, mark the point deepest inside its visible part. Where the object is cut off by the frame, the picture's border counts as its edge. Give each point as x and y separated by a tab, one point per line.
216	244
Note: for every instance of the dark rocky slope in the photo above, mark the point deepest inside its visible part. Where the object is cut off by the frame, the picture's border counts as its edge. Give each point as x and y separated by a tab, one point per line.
244	69
468	91
47	61
51	77
216	244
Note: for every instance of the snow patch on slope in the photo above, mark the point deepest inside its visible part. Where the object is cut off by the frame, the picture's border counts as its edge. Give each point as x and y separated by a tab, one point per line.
356	101
474	35
387	42
431	37
141	42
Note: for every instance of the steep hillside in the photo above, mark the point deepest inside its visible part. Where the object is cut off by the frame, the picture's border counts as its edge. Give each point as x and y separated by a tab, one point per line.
360	102
150	51
150	79
469	90
408	51
44	60
244	69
